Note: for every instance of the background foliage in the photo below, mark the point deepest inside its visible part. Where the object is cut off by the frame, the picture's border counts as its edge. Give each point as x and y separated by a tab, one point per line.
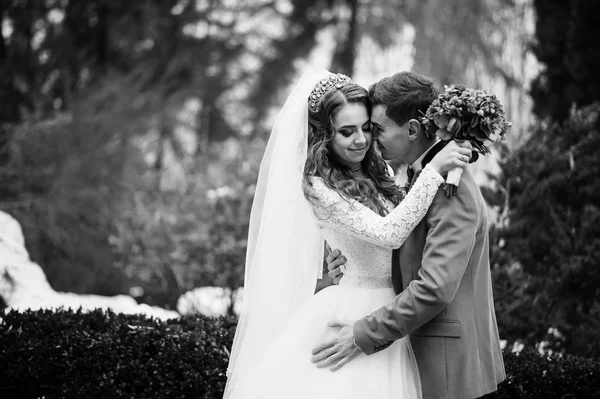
69	354
569	47
547	254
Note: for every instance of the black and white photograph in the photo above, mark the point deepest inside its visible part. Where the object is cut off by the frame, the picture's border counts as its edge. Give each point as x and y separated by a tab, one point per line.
293	199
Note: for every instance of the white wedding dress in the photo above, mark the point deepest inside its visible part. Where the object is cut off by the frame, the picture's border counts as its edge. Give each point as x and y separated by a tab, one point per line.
285	371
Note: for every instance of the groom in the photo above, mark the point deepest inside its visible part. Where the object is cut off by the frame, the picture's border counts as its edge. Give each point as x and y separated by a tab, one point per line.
441	274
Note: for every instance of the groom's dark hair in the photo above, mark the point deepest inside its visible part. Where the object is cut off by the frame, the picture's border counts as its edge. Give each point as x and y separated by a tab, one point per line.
407	95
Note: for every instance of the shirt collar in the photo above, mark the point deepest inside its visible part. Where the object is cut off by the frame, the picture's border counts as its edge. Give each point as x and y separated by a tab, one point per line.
417	165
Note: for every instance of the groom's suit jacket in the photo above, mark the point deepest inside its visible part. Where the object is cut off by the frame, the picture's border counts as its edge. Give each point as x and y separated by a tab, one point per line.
444	303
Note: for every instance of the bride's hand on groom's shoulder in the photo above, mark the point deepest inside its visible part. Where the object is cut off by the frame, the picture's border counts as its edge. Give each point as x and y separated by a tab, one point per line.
336	265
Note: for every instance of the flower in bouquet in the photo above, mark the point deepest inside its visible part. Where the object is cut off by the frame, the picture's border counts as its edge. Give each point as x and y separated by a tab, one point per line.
462	113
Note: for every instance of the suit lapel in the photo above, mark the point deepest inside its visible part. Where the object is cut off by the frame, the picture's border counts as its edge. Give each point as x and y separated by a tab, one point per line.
426	159
404	268
432	153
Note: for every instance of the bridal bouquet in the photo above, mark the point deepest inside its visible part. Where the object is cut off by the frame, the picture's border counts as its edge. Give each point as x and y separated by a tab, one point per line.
462	113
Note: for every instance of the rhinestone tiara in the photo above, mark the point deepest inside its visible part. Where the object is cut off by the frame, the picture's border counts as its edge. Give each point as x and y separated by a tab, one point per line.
333	81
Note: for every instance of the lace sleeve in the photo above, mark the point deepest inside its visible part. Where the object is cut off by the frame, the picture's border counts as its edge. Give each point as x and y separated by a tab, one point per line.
332	210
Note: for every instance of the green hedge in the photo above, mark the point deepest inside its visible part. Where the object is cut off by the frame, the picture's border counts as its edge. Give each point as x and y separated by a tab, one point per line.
106	355
69	354
530	375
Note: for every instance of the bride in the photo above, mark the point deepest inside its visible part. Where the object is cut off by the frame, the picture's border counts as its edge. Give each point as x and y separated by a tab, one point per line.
321	179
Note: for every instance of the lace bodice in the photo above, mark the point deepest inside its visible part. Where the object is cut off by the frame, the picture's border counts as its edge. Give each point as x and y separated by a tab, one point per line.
364	237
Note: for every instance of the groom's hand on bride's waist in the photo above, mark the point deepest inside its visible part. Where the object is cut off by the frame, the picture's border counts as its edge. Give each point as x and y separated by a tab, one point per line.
336	265
335	353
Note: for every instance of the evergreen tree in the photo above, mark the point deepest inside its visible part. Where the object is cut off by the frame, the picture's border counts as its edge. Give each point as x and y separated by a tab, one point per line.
547	249
552	231
568	44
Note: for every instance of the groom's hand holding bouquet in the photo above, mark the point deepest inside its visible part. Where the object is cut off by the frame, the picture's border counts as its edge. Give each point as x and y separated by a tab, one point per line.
461	113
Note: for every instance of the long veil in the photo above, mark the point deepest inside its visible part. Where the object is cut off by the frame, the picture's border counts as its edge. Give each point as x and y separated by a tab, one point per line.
285	248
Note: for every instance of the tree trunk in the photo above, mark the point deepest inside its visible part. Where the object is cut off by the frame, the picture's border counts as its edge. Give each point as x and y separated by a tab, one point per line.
277	71
102	40
9	97
9	109
344	56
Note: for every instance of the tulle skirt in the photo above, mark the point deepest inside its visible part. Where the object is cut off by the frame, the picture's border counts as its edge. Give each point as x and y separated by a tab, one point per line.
286	372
